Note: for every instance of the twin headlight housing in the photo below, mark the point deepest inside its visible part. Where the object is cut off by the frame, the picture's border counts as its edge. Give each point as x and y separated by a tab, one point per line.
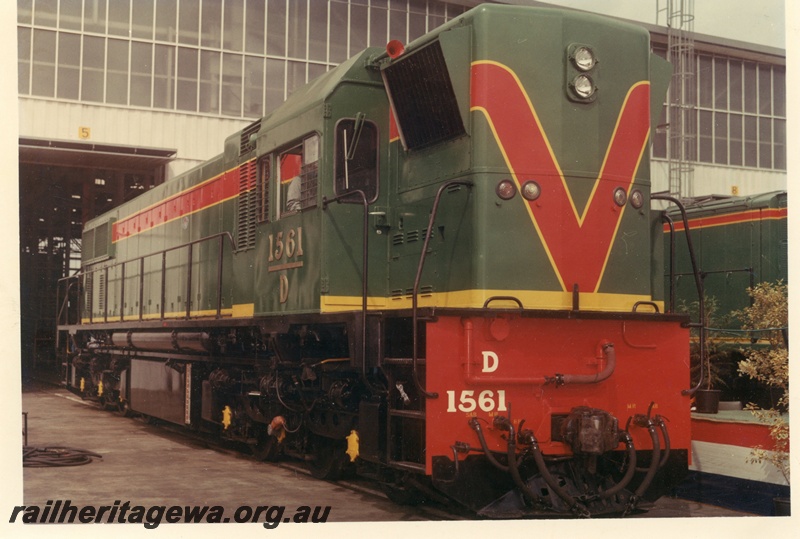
581	88
582	63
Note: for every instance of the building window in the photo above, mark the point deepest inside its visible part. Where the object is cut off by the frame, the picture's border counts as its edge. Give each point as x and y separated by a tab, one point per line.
117	72
232	84
141	74
119	12
24	61
44	63
741	114
163	77
69	66
94	59
243	58
70	15
94	16
187	79
236	58
209	81
142	19
746	115
166	25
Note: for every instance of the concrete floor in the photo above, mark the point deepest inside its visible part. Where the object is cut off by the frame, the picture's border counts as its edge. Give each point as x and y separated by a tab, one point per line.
150	465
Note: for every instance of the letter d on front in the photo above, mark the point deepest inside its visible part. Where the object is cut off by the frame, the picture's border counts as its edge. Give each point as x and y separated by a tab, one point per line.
490	361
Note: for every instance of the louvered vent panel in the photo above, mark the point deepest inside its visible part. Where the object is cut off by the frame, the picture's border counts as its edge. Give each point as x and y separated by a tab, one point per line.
101	293
262	191
87	245
246	144
246	223
101	236
88	304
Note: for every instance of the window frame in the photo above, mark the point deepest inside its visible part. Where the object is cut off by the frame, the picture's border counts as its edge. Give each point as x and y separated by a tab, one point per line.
373	193
308	175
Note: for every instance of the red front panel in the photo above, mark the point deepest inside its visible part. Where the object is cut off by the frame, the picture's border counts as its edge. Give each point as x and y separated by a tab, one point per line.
484	367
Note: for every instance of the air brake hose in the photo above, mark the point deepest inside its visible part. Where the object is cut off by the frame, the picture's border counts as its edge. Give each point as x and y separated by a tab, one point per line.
551	481
476	426
513	468
654	462
663	425
629	472
658	420
529	438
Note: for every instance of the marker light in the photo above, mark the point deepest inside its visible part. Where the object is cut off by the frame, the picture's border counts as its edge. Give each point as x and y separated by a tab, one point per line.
637	199
506	189
583	58
620	197
531	190
583	86
394	49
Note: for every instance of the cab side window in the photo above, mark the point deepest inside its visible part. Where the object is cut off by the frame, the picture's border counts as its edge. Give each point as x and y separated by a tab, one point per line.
297	174
356	166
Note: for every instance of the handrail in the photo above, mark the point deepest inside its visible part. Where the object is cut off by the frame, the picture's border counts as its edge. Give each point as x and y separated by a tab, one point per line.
418	278
64	303
700	290
671	224
364	271
84	273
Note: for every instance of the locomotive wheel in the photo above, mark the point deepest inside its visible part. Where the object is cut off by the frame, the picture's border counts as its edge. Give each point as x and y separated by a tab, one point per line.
267	448
328	458
123	408
106	403
102	403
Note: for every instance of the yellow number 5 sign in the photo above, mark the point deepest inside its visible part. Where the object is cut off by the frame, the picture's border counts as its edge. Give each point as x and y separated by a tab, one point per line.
84	133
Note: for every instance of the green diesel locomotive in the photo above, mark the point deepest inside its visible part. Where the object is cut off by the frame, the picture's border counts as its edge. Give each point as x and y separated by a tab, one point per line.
435	266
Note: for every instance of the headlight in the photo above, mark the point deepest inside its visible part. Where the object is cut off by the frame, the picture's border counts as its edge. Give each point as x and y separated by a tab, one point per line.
620	196
583	86
583	58
637	199
506	189
531	190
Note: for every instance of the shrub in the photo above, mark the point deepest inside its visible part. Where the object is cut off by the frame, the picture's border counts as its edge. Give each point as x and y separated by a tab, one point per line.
769	317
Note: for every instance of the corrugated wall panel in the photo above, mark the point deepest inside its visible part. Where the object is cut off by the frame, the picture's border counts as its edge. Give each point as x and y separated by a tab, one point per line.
197	138
711	180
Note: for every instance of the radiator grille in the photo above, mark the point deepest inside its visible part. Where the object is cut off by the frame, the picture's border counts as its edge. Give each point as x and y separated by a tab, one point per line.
423	98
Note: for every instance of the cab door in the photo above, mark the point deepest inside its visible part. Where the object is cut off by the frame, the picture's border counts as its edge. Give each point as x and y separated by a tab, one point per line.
357	189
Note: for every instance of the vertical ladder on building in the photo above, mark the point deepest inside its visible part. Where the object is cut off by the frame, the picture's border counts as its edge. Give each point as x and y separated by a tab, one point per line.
682	96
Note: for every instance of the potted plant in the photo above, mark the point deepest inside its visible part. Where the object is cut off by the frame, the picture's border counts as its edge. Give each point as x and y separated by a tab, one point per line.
714	368
768	318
